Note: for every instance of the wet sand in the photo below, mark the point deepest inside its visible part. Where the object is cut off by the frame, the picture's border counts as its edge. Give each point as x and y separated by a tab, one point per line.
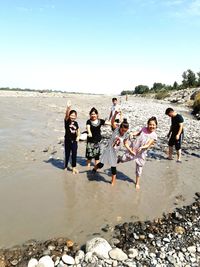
39	200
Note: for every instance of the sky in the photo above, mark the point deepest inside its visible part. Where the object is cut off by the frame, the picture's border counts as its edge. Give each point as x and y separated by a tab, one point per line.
97	46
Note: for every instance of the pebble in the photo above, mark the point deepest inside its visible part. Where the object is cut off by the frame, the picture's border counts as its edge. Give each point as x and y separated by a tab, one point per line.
117	254
68	259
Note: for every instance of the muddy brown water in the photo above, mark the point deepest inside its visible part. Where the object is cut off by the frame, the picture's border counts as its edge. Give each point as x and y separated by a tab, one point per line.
39	200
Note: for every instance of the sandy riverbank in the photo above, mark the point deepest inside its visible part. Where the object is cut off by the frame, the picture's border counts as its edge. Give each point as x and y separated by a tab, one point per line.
39	200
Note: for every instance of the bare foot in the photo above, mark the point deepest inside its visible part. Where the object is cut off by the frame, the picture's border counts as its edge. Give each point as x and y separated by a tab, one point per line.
75	171
88	166
169	158
113	183
137	186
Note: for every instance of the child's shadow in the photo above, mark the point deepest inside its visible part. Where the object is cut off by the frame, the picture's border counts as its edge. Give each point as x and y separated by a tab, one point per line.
120	176
81	161
58	163
96	177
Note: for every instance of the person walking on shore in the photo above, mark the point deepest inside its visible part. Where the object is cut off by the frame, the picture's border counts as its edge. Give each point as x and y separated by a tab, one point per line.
175	134
72	133
109	155
93	126
146	138
115	107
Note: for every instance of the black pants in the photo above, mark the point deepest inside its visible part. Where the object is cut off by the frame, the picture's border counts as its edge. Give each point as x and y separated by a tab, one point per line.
70	146
113	169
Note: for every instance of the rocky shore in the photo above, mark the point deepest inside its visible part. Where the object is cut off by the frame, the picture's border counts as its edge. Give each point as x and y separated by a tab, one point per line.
172	240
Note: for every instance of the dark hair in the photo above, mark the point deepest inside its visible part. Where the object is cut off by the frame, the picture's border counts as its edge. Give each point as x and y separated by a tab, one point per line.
72	111
168	110
152	119
114	99
94	110
124	124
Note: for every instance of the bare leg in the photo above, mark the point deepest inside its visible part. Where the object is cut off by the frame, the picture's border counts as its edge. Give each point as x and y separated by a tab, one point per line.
170	152
113	179
137	184
88	163
96	161
178	155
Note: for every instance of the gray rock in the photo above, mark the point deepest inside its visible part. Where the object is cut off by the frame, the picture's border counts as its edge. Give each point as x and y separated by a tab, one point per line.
79	257
191	249
132	253
90	257
99	246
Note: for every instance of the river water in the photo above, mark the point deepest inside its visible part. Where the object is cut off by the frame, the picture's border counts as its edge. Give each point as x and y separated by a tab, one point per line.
39	200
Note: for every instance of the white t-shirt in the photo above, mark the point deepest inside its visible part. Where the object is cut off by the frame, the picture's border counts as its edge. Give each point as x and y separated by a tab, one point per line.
115	108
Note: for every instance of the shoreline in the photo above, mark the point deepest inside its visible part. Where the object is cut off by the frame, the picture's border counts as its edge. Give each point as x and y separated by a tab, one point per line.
173	239
50	151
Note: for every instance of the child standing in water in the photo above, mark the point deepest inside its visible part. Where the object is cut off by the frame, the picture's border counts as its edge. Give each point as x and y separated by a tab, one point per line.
72	133
93	126
109	155
147	138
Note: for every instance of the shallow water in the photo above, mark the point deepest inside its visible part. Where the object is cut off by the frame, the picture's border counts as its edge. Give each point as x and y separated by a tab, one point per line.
39	200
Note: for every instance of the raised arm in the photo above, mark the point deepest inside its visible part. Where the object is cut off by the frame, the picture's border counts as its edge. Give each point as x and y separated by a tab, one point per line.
113	119
68	109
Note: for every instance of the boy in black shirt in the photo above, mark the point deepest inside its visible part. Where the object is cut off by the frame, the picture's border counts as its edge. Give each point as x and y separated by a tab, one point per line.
175	134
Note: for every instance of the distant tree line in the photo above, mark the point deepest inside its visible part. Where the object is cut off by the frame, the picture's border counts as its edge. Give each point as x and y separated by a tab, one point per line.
28	90
44	91
190	80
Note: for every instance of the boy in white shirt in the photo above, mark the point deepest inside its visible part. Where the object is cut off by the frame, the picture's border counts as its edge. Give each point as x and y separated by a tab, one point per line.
115	107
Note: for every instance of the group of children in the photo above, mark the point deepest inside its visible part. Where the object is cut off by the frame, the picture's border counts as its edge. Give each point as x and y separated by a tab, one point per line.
136	149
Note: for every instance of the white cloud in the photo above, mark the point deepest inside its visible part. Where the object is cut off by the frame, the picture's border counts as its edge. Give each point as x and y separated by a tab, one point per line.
194	8
184	8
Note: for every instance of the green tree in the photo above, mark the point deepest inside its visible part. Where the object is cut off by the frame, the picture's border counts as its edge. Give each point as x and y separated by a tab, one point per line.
127	92
189	79
175	86
158	86
141	89
198	78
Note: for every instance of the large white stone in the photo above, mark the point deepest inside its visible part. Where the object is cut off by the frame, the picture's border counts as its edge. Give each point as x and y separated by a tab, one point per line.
99	246
68	259
118	254
46	261
32	263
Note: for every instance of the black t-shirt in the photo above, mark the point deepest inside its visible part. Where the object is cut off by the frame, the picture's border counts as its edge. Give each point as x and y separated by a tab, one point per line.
175	123
95	130
71	128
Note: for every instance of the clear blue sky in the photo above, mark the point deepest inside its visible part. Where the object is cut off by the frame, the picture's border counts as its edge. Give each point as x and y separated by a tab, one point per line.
101	46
